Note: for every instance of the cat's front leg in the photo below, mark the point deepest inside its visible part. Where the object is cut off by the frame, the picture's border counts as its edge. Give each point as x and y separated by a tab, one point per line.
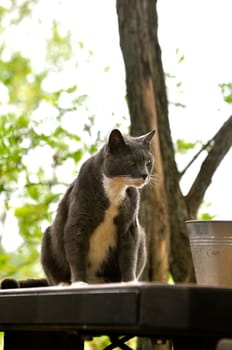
76	250
128	251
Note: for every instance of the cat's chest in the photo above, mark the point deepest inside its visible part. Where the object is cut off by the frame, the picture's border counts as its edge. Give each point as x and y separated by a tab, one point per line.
104	236
102	239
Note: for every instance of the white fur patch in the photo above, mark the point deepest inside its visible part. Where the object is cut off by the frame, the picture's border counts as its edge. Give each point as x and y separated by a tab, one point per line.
115	187
105	235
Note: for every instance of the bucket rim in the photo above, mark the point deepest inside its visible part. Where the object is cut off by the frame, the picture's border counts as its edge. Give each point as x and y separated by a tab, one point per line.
207	221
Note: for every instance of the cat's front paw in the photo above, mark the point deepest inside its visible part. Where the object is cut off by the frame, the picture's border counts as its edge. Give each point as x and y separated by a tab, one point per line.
130	283
78	284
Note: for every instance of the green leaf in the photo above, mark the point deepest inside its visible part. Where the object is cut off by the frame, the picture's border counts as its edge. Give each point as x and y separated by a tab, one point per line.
33	191
228	98
226	90
205	216
181	59
72	89
183	146
77	155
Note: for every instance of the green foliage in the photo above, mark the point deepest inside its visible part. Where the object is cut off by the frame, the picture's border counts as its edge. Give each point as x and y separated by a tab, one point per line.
59	47
183	146
97	343
39	150
103	341
203	213
26	176
16	73
30	184
226	90
173	83
180	56
205	216
1	340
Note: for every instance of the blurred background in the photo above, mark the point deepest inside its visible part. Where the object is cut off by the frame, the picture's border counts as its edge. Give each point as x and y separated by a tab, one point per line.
62	89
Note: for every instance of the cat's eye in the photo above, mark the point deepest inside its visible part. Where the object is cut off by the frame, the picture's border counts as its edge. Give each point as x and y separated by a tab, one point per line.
148	162
131	162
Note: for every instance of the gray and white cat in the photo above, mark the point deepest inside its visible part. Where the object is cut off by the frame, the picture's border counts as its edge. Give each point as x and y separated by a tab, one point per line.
96	236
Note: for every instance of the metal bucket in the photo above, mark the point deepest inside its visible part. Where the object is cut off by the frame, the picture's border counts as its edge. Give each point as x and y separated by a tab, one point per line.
211	247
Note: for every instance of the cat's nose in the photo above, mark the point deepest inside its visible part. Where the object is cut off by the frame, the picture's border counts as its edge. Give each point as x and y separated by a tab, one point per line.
144	176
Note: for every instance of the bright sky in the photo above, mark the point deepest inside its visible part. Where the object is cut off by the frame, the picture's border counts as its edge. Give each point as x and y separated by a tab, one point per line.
200	30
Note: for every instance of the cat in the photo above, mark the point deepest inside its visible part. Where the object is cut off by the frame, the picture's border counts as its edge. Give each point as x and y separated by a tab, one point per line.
96	236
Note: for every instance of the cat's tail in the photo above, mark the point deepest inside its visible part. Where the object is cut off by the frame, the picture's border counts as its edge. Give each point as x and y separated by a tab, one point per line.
11	283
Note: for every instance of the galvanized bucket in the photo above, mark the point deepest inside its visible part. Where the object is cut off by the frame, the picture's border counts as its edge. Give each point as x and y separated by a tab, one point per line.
211	247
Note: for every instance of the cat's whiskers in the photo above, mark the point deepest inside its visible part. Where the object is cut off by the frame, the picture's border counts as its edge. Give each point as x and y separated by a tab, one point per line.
152	181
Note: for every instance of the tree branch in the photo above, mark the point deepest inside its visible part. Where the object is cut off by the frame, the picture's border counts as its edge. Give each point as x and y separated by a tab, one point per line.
207	145
221	144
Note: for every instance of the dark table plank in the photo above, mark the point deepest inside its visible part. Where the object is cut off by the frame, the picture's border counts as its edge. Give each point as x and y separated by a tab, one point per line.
148	309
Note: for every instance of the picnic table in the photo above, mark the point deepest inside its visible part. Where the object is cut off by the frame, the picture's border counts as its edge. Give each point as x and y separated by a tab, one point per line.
193	317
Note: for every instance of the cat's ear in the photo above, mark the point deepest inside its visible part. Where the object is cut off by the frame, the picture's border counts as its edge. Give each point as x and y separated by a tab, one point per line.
147	138
116	140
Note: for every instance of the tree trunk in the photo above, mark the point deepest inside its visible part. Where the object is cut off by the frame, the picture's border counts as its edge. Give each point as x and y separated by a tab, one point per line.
148	108
136	28
164	209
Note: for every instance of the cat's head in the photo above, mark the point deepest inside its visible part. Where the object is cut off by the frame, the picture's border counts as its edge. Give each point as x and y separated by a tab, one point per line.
129	158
